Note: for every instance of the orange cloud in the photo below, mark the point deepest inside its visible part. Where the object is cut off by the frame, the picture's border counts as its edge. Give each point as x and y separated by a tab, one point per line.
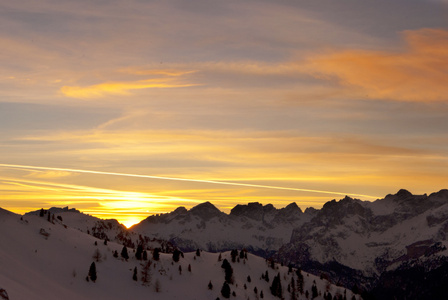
418	73
119	88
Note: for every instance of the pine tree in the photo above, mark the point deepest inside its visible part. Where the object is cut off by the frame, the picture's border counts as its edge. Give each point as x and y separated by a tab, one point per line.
146	273
225	290
124	253
300	283
145	255
276	287
228	271
41	213
97	255
198	252
176	255
92	272
314	292
289	268
155	254
266	276
234	254
134	276
293	289
219	257
139	252
115	254
248	278
261	295
210	285
189	268
157	286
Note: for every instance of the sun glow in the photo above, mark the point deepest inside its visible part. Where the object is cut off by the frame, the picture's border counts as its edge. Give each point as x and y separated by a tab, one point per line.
127	207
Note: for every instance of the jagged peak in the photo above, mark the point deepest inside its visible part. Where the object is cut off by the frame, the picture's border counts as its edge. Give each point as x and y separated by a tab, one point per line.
204	206
241	209
205	210
311	210
443	193
347	198
402	193
180	209
292	207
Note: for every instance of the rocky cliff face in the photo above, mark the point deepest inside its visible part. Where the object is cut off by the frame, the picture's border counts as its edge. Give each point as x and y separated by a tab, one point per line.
262	229
367	239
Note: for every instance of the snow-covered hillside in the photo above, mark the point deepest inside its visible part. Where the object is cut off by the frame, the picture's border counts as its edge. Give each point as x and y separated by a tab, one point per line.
42	260
260	229
108	229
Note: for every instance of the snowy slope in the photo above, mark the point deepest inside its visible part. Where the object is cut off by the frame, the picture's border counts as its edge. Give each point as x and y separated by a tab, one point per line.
42	260
109	229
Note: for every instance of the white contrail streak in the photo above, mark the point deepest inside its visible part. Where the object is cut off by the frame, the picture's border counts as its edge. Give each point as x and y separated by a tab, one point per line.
183	179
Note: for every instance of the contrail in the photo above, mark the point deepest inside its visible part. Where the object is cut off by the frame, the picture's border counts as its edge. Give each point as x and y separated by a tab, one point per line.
183	179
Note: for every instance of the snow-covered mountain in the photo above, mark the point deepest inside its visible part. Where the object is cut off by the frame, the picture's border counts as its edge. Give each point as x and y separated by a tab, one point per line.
42	259
353	242
359	241
108	229
257	228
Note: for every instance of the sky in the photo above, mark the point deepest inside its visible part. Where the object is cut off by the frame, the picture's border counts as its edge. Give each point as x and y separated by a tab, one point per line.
124	109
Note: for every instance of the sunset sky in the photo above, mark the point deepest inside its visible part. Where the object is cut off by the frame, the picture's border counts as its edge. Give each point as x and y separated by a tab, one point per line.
323	98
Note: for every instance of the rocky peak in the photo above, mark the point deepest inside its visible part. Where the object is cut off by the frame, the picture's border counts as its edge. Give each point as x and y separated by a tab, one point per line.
289	213
403	194
333	212
205	211
253	210
290	209
179	210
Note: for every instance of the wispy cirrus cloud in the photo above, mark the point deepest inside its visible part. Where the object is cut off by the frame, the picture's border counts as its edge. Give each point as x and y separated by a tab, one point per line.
170	80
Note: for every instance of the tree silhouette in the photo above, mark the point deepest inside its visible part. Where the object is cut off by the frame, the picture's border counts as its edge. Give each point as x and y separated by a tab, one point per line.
124	253
134	276
92	272
155	254
228	270
276	287
139	252
146	273
314	292
176	255
225	290
97	255
234	254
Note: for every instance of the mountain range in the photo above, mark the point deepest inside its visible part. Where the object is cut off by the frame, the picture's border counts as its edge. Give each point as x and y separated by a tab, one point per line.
391	248
51	255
